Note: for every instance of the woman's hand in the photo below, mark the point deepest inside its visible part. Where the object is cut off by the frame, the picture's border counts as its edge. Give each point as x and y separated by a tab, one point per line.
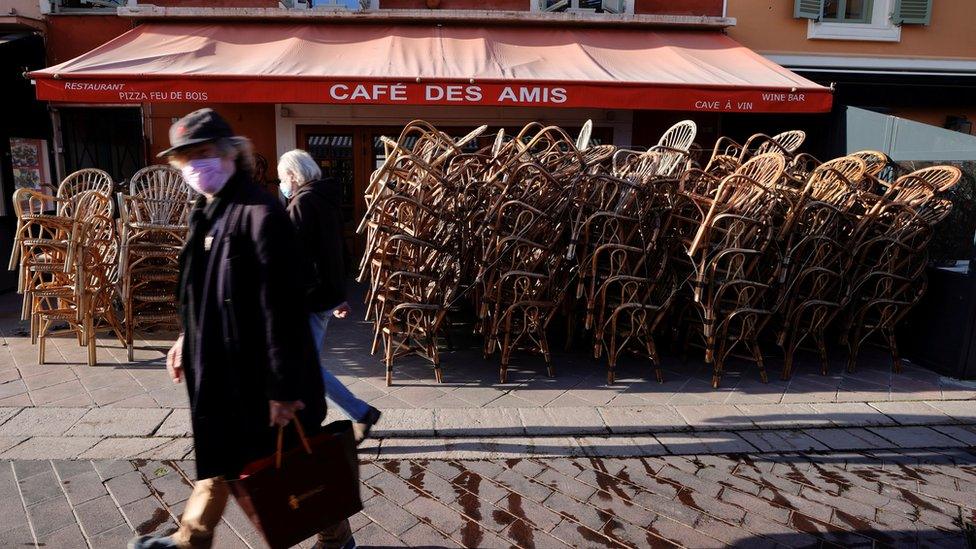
282	412
174	360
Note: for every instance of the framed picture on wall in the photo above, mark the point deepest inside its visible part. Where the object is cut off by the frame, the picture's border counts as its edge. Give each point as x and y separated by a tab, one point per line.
31	167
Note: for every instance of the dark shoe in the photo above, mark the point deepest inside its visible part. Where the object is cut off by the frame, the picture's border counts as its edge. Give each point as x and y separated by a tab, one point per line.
337	536
360	429
153	542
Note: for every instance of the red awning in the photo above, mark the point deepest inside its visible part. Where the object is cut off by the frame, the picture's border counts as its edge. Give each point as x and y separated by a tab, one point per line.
430	65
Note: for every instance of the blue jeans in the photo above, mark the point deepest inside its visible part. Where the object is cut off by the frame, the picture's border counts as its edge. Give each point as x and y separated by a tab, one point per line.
335	391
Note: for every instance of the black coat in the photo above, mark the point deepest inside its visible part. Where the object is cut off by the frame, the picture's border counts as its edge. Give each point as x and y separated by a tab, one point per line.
316	212
247	338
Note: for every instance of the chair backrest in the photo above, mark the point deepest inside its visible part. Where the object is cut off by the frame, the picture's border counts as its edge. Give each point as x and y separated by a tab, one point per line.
679	136
875	161
160	182
834	179
86	204
942	178
789	140
154	211
88	179
764	169
583	139
920	186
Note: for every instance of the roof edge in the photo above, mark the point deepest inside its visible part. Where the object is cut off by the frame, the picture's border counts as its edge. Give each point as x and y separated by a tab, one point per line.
485	17
25	23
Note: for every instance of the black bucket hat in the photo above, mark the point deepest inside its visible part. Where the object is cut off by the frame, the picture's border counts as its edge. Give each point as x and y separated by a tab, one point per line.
199	126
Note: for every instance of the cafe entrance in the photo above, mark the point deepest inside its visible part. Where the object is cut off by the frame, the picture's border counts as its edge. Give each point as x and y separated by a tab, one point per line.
350	154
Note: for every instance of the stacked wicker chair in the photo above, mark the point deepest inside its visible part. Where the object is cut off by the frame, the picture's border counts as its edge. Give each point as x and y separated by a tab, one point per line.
67	259
724	235
154	222
83	300
413	226
37	226
816	255
889	254
764	240
523	271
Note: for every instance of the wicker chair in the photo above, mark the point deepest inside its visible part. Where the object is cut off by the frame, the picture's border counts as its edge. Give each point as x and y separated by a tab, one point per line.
153	232
84	299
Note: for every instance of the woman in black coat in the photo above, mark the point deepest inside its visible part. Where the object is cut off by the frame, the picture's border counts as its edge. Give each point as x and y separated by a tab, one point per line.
246	350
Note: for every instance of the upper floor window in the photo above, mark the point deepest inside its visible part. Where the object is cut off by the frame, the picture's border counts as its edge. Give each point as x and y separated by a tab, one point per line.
55	6
847	11
584	6
871	20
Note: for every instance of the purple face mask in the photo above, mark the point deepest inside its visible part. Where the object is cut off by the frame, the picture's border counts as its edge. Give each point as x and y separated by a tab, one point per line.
205	175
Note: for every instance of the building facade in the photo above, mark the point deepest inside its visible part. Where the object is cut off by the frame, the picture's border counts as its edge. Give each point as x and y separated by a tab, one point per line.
914	59
122	136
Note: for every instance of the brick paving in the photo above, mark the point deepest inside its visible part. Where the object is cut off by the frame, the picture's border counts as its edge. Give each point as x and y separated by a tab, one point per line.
886	498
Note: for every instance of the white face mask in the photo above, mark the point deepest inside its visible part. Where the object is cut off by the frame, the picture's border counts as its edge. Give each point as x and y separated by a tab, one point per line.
287	188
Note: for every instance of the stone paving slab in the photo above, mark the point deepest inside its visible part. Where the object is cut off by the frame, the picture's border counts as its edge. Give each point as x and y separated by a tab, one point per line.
42	421
119	422
849	499
470	381
655	419
492	441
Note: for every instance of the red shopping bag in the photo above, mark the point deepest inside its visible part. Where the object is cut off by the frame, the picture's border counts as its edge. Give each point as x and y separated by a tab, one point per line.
296	493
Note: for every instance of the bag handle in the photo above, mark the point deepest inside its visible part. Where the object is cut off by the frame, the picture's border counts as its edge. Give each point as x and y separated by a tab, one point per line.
281	440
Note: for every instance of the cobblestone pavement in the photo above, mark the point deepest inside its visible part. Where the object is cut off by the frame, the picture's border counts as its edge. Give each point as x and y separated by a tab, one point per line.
865	499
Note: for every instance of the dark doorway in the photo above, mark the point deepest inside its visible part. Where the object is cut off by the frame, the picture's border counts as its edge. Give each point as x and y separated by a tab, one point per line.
109	139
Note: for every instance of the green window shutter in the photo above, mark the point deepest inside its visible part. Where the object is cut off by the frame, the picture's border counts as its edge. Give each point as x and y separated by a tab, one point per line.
808	9
912	12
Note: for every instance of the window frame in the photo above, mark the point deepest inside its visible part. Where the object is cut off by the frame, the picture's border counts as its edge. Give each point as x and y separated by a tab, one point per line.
882	28
573	6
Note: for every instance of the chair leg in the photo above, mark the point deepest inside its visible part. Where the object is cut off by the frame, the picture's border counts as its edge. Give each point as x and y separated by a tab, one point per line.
853	345
545	354
789	349
435	357
655	359
92	353
757	355
506	354
822	348
719	363
42	340
388	357
893	346
129	329
612	354
34	322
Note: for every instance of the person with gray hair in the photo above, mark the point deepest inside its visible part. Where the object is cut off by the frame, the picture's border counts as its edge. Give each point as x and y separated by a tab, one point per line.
314	209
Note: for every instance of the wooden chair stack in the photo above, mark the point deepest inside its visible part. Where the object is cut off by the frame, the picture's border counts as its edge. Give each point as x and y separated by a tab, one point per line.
723	233
154	219
763	240
890	253
413	243
66	258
